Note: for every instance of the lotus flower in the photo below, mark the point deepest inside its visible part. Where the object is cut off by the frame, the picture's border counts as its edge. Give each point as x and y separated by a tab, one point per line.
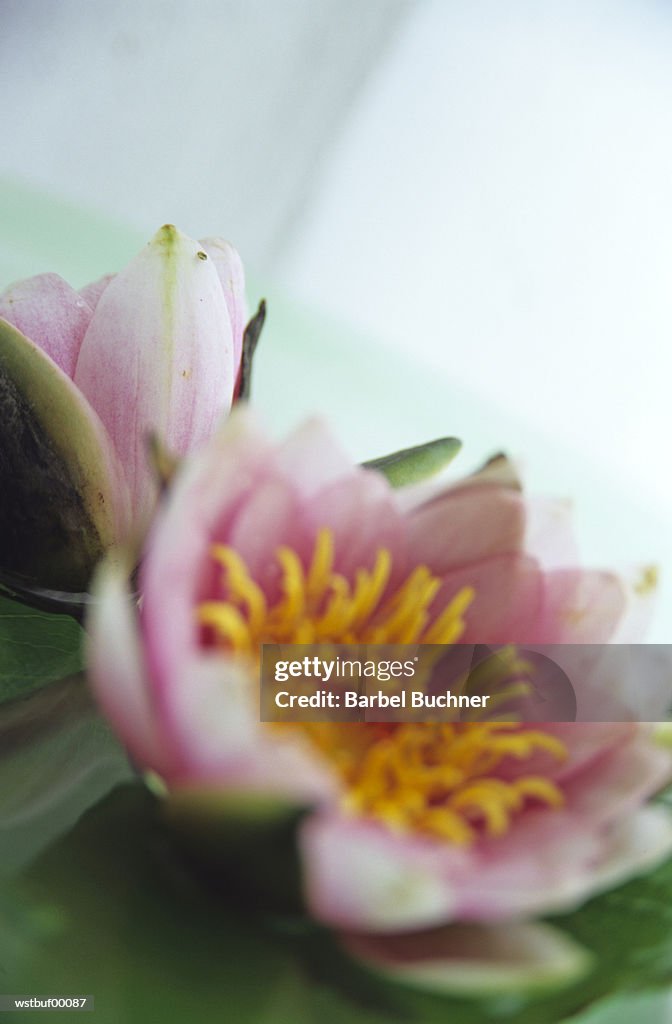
86	376
411	826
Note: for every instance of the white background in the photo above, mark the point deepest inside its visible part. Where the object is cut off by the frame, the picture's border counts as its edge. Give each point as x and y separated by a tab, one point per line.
500	205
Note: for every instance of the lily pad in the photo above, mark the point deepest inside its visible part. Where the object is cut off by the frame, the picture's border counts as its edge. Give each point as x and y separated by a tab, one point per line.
130	915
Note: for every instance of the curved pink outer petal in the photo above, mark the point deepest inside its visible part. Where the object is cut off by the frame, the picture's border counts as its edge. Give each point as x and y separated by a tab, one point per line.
357	875
229	267
117	669
549	535
91	292
157	356
51	313
469	959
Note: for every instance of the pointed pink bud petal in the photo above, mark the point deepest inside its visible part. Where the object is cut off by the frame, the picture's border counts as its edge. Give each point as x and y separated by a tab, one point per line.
229	267
474	960
69	498
51	313
158	356
91	292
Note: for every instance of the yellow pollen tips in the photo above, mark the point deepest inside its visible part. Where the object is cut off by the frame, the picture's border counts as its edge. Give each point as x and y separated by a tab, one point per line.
320	567
440	779
317	604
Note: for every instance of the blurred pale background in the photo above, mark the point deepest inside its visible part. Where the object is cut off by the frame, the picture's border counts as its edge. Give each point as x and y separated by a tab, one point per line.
480	189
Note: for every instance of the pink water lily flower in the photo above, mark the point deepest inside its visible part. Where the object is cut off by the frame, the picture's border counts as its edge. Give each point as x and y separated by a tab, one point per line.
87	375
413	826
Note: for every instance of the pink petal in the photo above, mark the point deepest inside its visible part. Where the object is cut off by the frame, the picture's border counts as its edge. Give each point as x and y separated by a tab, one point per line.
358	509
51	313
281	510
549	535
474	960
359	876
91	292
552	861
214	724
269	518
466	525
205	495
623	778
581	607
634	846
361	513
499	471
212	720
311	459
507	603
158	357
229	267
117	669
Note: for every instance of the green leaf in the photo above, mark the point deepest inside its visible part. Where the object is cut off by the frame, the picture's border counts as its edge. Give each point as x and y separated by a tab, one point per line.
119	909
138	927
36	648
412	465
57	758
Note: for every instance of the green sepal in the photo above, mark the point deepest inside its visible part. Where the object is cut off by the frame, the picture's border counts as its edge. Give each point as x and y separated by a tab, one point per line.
58	514
413	465
250	341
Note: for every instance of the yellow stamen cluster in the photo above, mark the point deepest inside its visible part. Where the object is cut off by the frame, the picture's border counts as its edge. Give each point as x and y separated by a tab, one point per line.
435	778
319	605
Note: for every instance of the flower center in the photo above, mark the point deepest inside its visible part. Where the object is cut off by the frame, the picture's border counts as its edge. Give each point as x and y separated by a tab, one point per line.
455	781
319	605
450	780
